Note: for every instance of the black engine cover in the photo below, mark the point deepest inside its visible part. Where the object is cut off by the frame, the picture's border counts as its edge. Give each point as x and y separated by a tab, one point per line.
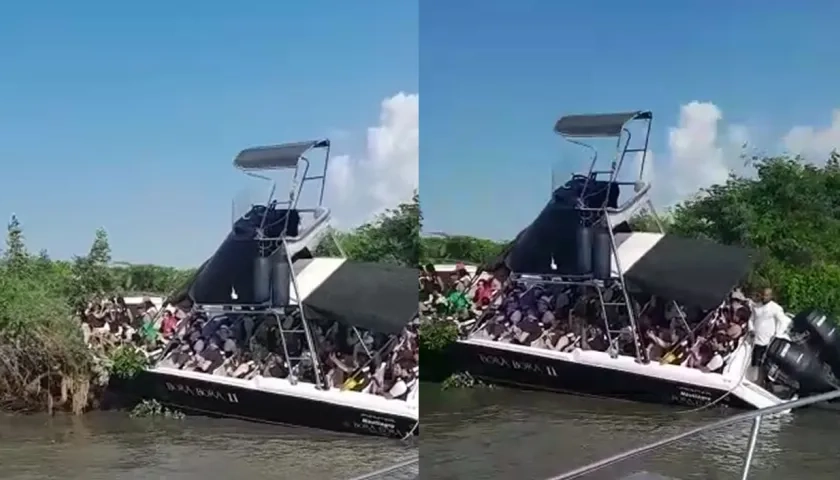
800	363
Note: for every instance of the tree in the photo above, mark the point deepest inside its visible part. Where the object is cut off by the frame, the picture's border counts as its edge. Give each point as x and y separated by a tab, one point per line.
392	237
92	275
15	256
645	221
149	279
790	213
460	248
41	344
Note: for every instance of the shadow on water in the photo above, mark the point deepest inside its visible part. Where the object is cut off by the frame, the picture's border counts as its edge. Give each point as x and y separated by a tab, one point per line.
110	445
505	434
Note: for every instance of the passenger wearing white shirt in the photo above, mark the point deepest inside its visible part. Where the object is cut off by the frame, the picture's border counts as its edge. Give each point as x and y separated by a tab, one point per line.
767	322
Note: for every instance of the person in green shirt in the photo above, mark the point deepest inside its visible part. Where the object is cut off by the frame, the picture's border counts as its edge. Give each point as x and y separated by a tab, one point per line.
458	302
149	332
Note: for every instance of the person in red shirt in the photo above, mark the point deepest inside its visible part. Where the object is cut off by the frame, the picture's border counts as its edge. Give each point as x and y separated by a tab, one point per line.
484	293
167	326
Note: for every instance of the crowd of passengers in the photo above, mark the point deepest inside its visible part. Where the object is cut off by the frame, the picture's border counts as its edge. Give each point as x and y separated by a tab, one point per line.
456	296
563	318
249	345
108	323
245	346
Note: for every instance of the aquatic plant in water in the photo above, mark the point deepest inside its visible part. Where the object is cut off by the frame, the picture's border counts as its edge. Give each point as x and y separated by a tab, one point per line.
153	408
462	380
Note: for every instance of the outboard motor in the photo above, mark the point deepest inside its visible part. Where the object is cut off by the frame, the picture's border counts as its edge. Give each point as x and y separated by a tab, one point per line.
798	362
823	336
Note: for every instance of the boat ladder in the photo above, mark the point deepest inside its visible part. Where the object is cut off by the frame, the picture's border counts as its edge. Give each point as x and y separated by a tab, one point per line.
754	415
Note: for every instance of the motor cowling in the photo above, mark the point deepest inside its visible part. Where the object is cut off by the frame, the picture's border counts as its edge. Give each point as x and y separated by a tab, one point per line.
823	336
800	363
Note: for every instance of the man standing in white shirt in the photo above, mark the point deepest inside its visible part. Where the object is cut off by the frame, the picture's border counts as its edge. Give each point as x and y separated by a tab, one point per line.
767	322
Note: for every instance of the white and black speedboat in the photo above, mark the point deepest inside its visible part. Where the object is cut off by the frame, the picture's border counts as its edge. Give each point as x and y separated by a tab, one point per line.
264	270
582	238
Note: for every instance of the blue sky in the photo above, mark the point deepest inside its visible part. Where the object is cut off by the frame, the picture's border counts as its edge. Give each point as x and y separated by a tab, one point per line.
128	116
496	75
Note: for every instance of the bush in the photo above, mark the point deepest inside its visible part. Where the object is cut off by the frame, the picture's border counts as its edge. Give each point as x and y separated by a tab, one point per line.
44	361
436	337
436	340
126	361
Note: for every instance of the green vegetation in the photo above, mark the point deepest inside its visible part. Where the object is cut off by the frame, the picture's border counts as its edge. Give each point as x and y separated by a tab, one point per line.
392	237
154	409
462	380
44	362
126	361
436	336
460	248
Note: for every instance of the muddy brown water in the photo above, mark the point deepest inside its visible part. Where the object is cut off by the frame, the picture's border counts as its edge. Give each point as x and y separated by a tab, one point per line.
505	434
113	446
473	434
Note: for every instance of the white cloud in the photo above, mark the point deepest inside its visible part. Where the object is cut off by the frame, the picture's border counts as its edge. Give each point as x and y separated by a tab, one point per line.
814	143
341	176
697	158
387	174
700	153
703	151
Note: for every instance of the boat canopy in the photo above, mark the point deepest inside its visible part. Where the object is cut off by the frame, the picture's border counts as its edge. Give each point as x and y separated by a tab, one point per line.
597	125
272	157
378	297
692	271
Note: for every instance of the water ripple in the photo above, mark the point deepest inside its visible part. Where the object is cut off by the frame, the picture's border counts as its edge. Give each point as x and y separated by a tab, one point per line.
504	434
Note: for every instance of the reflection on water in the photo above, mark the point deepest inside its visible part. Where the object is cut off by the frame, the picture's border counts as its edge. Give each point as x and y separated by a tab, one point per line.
507	434
114	447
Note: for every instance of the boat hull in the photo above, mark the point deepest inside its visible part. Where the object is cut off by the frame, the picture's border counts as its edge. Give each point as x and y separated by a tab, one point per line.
206	397
531	371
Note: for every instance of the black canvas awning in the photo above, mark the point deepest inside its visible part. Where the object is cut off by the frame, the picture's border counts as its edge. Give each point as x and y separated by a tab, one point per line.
693	272
373	296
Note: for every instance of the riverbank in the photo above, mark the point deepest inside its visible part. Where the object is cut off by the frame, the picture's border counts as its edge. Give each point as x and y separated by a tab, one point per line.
53	369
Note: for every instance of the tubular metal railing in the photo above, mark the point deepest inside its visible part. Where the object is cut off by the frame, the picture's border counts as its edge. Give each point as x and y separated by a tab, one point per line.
754	415
406	469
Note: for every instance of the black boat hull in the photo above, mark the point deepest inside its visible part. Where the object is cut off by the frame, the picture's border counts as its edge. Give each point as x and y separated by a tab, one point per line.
214	399
520	370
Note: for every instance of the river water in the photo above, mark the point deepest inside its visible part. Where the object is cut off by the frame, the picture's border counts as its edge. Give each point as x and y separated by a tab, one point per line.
112	446
504	434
